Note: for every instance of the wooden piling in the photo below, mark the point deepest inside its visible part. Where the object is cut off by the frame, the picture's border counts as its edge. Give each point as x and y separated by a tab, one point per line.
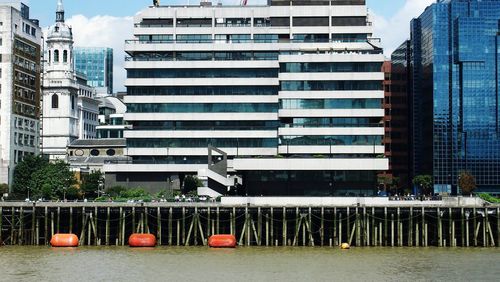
170	217
498	227
158	225
335	227
485	224
108	214
284	227
322	227
183	225
462	226
259	226
474	223
467	231
217	227
340	229
410	228
399	243
1	223
440	228
70	219
392	230
385	226
58	219
272	225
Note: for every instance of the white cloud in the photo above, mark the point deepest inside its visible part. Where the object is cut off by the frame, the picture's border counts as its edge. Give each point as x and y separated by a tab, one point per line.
104	31
394	30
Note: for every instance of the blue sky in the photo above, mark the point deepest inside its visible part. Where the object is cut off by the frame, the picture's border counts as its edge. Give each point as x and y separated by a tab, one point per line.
44	9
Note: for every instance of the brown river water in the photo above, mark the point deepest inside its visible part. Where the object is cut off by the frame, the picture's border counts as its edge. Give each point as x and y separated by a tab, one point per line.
248	264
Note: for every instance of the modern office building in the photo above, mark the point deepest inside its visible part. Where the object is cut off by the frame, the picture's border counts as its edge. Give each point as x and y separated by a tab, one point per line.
70	110
397	138
111	124
97	65
291	92
454	83
20	41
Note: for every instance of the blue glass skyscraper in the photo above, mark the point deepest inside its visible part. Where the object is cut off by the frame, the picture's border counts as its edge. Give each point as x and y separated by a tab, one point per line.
455	98
97	64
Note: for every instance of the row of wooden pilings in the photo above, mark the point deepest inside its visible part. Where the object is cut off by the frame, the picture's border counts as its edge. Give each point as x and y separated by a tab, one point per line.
261	226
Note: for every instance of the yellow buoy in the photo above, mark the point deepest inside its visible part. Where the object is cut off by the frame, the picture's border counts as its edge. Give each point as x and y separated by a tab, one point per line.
345	246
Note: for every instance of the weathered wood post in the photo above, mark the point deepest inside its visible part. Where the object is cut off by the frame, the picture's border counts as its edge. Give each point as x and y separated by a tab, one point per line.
410	229
158	225
440	228
462	226
217	228
498	227
33	227
284	227
399	243
340	229
70	219
170	226
474	223
108	215
335	227
272	225
183	225
209	222
386	229
392	229
322	227
58	219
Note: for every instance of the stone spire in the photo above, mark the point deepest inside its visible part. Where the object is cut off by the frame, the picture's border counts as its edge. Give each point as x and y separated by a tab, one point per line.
60	11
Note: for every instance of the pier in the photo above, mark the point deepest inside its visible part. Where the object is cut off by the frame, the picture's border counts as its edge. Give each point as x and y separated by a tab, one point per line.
396	224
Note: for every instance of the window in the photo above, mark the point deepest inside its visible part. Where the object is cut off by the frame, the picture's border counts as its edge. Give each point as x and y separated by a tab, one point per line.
94	152
65	56
110	152
56	56
55	101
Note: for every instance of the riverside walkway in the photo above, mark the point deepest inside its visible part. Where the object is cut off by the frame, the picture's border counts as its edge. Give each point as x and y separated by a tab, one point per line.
261	221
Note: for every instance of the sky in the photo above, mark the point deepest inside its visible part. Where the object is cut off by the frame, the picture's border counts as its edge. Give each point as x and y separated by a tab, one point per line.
107	23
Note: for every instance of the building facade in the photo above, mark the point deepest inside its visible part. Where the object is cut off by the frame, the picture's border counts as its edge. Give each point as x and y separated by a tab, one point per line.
455	98
70	110
97	65
20	57
291	91
397	138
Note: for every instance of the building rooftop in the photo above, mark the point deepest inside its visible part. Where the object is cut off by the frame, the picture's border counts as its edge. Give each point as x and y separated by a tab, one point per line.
109	142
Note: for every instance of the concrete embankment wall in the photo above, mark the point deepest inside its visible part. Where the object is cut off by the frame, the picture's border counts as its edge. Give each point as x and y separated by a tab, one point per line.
329	222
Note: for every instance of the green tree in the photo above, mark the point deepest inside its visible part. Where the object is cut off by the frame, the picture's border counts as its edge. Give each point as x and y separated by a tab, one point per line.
23	174
90	184
53	180
425	183
191	183
115	191
4	188
466	182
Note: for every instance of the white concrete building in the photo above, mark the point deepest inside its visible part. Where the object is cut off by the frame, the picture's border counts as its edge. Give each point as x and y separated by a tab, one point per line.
20	41
70	110
291	91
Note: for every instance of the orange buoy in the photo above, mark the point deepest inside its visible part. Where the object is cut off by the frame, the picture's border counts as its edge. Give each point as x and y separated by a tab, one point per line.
142	240
222	241
64	240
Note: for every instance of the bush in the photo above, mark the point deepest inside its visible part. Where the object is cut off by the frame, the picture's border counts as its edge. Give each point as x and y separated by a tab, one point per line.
115	191
489	198
4	188
133	193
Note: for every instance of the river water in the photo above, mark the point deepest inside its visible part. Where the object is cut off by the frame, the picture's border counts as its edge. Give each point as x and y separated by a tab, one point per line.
248	264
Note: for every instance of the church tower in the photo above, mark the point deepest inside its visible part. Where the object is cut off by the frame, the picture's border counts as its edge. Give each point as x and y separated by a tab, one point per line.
60	124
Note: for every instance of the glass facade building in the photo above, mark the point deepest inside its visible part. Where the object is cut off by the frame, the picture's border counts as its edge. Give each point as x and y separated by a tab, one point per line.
97	64
455	47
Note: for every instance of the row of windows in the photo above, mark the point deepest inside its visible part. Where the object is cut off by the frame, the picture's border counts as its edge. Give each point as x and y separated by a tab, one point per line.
201	73
333	122
26	64
25	124
26	48
204	108
24	93
330	104
330	85
57	57
202	90
204	56
205	125
24	109
25	78
203	142
257	125
357	140
21	139
258	38
360	140
331	67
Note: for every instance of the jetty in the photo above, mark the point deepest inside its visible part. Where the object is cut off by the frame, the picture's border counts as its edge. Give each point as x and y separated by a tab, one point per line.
260	221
